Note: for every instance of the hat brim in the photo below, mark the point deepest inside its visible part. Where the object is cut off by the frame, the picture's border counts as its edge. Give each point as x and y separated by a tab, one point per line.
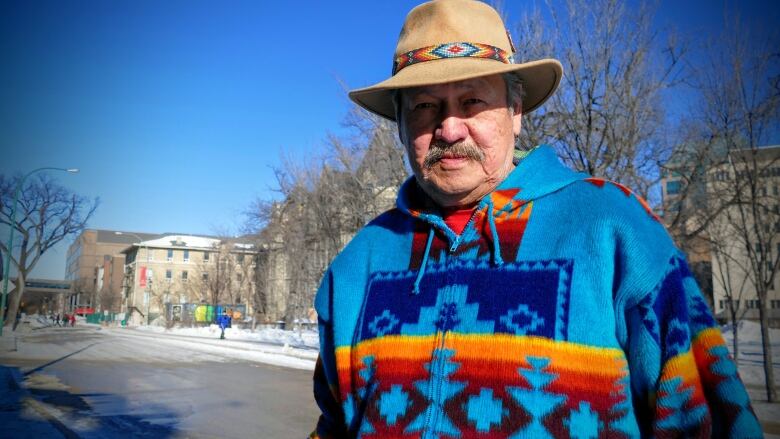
540	80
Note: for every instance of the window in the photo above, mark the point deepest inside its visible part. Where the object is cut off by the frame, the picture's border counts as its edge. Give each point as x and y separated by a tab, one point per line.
752	304
206	255
774	304
186	256
673	187
240	258
205	276
238	277
170	254
184	276
168	275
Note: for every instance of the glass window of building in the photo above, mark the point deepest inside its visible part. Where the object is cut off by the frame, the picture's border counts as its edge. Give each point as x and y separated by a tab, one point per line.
170	255
186	256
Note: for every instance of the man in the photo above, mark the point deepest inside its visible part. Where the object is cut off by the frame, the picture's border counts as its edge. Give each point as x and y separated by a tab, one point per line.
509	296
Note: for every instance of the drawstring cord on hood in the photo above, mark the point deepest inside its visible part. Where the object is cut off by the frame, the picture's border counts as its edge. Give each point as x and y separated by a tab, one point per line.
421	272
497	259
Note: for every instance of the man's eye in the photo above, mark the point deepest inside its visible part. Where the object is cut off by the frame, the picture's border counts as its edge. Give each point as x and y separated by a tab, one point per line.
423	106
472	101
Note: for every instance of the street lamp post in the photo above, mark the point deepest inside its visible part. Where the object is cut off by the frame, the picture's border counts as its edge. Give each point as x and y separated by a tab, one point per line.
145	247
7	268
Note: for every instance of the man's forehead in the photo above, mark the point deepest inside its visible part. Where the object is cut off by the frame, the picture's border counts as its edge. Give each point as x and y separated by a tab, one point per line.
487	83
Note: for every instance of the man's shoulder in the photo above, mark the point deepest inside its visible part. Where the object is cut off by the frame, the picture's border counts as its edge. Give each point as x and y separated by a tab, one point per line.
388	227
612	199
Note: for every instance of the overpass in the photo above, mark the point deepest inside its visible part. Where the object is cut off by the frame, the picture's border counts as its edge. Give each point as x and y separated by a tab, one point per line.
38	292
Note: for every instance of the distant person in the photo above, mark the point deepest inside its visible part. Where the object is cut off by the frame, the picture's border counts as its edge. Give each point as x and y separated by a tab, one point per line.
224	322
72	320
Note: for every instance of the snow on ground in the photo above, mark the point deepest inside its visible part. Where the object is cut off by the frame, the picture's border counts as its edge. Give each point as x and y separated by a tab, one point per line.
38	339
298	349
751	358
751	369
298	339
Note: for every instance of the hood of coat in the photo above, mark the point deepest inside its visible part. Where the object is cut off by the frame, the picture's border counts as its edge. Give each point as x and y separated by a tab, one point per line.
538	174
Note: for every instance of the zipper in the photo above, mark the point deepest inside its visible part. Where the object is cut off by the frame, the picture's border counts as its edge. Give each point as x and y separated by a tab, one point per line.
456	242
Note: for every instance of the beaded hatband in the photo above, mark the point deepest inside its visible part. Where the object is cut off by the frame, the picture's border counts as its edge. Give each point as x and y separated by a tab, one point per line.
451	50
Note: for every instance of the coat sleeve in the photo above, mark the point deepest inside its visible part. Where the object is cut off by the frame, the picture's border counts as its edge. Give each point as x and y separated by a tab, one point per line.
684	381
326	391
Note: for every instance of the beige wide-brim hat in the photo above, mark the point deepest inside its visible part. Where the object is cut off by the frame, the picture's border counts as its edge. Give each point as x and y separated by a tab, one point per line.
452	40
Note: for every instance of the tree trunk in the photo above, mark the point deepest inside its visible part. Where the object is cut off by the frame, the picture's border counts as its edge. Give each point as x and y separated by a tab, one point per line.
769	376
734	335
14	299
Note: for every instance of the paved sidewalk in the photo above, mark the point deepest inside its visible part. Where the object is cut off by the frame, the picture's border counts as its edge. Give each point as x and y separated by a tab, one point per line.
20	415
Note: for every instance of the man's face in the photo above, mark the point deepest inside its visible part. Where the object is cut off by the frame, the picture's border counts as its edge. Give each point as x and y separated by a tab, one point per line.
459	137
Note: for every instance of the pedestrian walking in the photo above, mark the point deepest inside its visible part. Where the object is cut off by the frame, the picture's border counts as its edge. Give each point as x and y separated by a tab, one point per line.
72	320
57	320
224	322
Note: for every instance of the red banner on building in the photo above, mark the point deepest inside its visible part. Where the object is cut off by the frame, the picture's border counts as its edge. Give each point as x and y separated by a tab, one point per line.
142	280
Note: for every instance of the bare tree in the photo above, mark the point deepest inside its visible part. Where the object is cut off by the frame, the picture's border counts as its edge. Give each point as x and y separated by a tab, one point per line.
46	214
739	107
226	277
730	274
605	119
110	299
324	202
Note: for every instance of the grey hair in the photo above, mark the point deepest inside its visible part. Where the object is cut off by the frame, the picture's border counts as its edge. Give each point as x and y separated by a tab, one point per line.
514	90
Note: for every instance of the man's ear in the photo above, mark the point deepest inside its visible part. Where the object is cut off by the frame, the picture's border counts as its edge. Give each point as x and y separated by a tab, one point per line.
517	118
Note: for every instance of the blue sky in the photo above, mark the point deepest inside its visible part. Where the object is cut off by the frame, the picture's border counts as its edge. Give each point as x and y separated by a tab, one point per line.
175	110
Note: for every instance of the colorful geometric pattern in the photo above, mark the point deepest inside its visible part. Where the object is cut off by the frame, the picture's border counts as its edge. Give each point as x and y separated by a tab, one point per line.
698	377
451	50
466	385
469	296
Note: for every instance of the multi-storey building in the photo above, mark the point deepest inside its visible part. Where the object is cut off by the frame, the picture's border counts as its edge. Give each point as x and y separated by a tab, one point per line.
178	270
95	267
745	237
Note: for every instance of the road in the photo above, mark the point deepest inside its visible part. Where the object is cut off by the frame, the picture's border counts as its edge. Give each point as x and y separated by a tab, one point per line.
103	384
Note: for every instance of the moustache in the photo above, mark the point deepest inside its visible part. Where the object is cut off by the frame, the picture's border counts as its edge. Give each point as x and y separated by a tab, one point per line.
438	150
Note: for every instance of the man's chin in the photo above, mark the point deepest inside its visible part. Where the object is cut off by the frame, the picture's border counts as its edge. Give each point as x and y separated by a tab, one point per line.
449	193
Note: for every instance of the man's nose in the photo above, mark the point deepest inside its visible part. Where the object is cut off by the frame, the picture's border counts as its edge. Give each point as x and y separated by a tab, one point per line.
451	129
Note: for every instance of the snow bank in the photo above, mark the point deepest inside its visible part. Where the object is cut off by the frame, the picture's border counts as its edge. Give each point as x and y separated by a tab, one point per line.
298	339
